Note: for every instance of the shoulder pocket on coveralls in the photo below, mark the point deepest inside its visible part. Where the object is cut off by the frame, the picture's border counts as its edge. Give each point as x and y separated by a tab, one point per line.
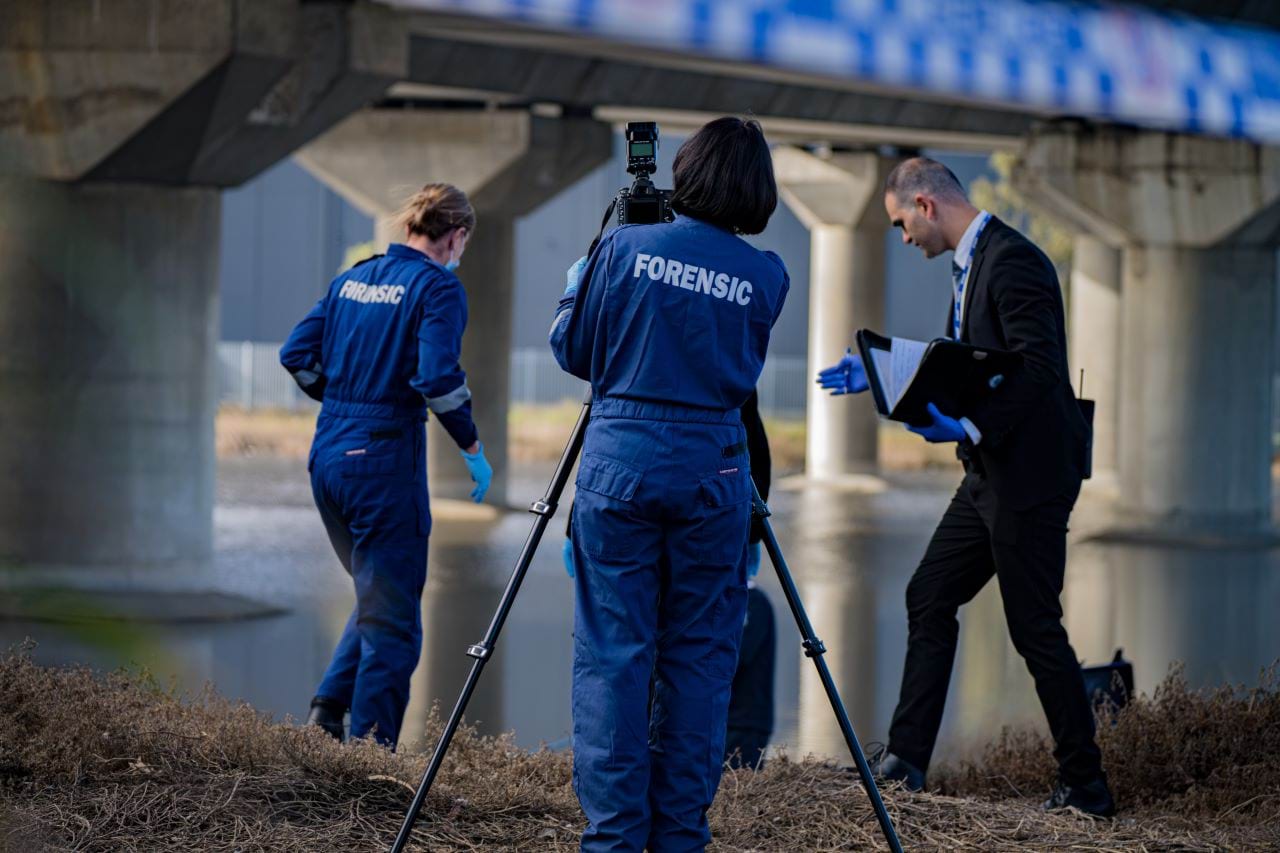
726	487
608	477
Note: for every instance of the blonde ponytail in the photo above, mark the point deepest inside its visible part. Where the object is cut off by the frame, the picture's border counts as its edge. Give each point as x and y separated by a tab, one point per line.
434	211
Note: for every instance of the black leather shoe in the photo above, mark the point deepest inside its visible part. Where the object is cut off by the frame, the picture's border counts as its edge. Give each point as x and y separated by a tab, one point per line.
328	716
887	767
1091	798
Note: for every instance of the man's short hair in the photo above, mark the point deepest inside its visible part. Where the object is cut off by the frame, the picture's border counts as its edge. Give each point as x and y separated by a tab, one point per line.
923	175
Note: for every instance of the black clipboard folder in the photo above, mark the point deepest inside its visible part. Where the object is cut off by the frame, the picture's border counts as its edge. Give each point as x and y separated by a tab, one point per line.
950	374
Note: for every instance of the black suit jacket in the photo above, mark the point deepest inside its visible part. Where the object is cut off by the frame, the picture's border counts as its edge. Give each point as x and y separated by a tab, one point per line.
1034	438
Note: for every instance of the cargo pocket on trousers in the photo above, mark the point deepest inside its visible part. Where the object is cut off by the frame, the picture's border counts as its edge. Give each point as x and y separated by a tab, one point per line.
608	477
726	487
724	514
602	512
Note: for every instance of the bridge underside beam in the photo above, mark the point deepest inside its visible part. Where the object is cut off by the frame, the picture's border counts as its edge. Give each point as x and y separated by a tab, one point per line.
565	74
195	93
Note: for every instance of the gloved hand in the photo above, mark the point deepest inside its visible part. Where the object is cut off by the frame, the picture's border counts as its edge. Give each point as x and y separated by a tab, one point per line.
942	429
573	274
481	472
753	559
848	376
566	553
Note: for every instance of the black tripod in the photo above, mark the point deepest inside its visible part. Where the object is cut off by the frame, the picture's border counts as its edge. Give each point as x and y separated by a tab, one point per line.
544	509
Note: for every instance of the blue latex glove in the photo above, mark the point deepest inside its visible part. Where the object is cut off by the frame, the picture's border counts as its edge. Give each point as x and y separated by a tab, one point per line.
942	429
847	376
481	472
753	559
566	553
573	274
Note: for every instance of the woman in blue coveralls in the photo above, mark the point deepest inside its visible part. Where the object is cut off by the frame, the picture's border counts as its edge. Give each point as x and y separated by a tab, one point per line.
670	329
379	351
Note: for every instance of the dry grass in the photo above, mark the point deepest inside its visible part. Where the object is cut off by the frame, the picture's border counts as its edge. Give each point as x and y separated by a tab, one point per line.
263	432
905	451
538	434
93	764
1200	757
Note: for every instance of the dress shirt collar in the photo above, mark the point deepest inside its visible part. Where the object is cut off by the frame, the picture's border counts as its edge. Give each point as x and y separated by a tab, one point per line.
969	240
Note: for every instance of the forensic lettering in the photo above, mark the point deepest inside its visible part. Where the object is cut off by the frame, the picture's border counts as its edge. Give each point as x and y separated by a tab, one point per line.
692	277
376	294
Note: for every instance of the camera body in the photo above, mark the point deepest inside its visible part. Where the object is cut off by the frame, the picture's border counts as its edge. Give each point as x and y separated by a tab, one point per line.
642	203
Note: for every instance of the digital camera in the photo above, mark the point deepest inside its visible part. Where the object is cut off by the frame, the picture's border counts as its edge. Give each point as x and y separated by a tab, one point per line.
642	203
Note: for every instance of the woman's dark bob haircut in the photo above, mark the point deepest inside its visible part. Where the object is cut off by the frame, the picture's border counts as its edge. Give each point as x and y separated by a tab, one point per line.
723	174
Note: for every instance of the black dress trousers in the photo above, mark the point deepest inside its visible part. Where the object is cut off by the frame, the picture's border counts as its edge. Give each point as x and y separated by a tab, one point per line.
1026	551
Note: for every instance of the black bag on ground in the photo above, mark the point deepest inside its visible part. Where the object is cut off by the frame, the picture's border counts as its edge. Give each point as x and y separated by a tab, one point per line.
1110	683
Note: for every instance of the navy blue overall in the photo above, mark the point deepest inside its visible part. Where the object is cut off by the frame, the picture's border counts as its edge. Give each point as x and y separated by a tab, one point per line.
670	326
383	345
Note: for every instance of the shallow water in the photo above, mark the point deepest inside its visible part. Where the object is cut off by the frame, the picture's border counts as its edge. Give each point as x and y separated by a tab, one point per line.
852	554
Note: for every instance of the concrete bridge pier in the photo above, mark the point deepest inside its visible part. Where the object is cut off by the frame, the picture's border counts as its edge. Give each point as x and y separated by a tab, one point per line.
1093	329
120	128
1200	222
839	199
108	314
508	162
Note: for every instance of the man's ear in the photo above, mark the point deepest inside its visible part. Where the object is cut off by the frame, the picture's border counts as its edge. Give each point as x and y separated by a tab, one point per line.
927	206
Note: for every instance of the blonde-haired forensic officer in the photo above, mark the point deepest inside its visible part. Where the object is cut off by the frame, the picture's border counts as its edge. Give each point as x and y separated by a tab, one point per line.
380	350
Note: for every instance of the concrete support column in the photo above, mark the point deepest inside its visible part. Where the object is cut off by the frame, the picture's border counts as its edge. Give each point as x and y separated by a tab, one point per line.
108	314
1195	414
838	198
1200	222
845	608
457	604
508	163
846	292
1094	330
385	232
486	356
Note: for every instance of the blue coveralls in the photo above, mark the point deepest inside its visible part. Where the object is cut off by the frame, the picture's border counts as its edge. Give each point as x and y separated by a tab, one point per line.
383	344
670	326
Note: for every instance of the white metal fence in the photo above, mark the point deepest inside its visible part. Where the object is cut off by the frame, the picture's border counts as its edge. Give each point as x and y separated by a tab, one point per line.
250	376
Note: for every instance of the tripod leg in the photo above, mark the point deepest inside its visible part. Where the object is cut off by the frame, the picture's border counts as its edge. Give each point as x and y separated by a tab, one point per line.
814	649
544	509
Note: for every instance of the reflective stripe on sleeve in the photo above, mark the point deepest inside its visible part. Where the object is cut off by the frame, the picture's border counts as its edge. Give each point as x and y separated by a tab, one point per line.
308	376
560	318
450	401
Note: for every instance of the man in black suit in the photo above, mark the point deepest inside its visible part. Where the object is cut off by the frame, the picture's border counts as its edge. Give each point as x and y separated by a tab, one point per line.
1024	447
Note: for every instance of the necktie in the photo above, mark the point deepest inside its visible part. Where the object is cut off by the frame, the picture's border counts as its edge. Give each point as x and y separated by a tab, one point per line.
957	288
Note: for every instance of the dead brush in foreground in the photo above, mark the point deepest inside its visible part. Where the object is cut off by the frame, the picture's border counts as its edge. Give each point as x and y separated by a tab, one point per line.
114	763
1202	757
